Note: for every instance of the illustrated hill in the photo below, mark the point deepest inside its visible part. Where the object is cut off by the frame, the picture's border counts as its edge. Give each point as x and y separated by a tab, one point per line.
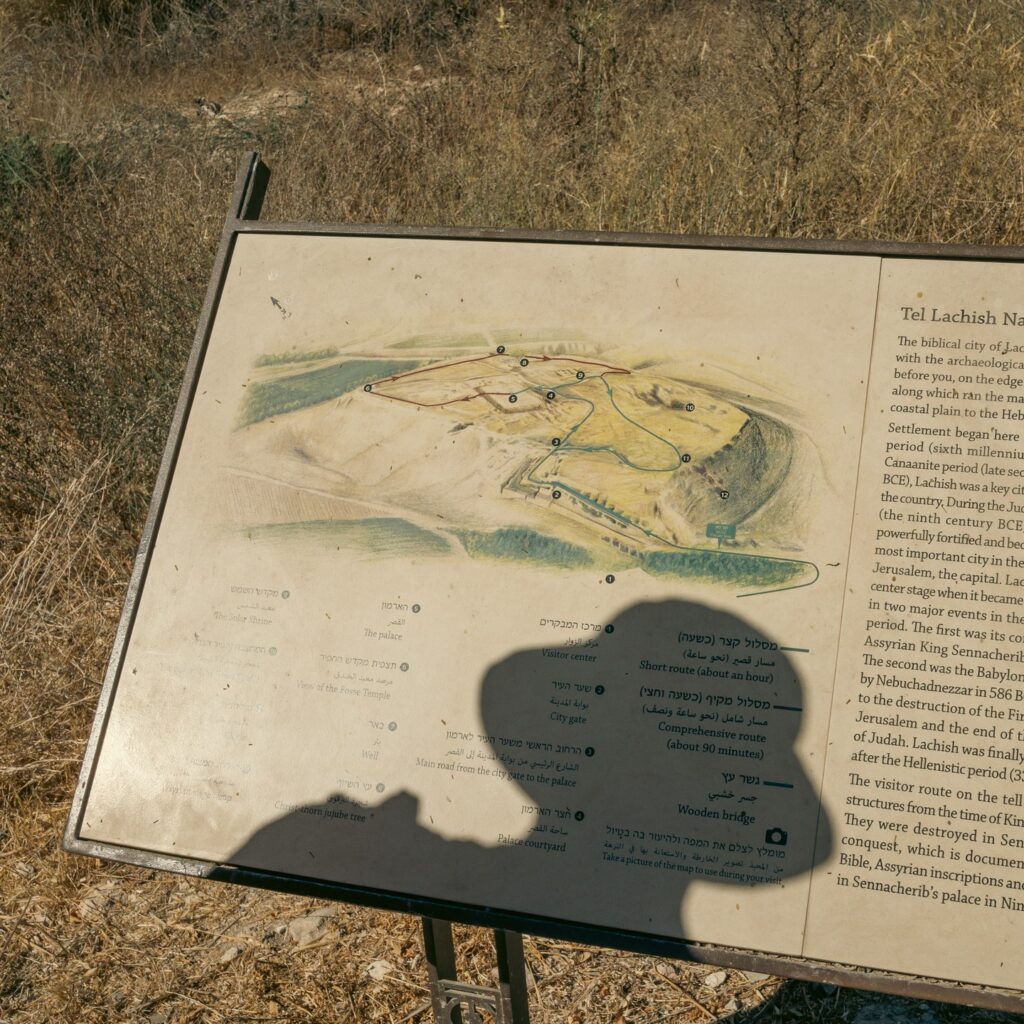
560	459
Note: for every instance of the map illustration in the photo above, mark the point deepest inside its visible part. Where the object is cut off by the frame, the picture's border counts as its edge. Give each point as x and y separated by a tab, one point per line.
545	452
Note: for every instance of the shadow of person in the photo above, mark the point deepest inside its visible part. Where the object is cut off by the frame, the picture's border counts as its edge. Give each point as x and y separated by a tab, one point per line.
639	760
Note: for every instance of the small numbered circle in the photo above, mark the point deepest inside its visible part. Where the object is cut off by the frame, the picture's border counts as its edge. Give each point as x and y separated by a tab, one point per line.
380	787
404	666
579	815
415	609
286	594
723	495
556	494
501	350
609	628
609	578
392	726
513	399
367	387
599	689
685	458
556	441
551	395
690	407
580	375
524	362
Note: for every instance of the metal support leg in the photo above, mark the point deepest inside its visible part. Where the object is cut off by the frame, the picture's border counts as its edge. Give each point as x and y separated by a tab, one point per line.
439	951
512	975
455	1002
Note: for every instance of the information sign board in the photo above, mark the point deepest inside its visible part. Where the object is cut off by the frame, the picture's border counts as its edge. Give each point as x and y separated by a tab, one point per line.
721	531
433	610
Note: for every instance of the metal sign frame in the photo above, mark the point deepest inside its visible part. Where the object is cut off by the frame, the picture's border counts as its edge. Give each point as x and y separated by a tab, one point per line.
243	218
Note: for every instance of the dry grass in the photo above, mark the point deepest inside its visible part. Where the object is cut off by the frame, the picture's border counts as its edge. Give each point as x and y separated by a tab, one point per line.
862	119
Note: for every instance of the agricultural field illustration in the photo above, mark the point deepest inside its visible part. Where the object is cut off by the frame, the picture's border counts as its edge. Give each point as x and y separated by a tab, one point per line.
541	452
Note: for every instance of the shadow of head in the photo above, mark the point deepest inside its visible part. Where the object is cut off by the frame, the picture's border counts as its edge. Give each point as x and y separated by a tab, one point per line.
671	736
650	753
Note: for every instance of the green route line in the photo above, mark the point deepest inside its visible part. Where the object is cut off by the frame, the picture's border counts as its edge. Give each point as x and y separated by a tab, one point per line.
642	469
646	430
625	521
604	448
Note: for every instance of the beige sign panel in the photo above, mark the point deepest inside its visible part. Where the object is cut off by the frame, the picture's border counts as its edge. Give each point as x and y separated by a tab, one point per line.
659	589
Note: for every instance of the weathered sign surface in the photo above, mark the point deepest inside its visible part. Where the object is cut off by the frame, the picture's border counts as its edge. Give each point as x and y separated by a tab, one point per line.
656	589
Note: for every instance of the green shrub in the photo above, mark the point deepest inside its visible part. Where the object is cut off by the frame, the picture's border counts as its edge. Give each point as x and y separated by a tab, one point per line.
24	162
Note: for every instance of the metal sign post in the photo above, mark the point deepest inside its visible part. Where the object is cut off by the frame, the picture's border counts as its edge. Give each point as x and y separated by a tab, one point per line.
456	1002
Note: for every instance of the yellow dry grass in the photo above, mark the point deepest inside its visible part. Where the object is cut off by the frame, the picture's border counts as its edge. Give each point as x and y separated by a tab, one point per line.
121	123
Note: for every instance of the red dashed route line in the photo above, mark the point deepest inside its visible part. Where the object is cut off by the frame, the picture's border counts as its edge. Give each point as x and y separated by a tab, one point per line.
433	366
437	405
477	394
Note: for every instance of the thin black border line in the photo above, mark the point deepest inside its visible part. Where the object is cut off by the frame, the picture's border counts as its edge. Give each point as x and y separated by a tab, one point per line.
246	196
842	603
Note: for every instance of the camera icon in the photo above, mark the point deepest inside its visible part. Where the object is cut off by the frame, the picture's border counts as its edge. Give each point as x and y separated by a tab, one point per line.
776	837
